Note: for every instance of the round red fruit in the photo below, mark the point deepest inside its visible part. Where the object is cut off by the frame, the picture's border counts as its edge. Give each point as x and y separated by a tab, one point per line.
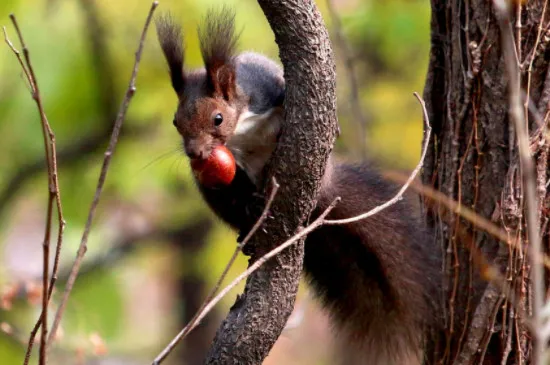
218	169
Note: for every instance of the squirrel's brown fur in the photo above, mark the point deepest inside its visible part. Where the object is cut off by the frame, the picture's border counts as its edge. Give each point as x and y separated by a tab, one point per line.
379	278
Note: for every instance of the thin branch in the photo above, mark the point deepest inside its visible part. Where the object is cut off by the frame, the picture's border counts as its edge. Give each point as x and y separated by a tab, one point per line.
45	275
528	179
274	189
468	214
255	266
106	162
401	191
18	55
54	193
197	317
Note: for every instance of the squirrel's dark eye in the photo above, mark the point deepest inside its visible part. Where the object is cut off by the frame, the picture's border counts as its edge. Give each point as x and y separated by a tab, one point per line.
218	119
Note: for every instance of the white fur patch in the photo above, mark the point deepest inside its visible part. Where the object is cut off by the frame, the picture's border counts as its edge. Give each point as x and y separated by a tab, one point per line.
254	140
249	122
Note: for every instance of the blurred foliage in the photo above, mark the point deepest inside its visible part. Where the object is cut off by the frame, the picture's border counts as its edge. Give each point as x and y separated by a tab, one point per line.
149	185
390	42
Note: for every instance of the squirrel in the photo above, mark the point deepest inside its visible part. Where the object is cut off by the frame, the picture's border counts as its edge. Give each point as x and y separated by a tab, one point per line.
379	278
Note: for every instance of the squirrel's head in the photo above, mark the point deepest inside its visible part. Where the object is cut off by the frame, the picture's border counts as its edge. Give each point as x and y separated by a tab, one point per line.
209	104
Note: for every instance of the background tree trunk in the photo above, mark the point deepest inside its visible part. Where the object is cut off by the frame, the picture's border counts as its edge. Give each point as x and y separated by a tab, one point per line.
473	158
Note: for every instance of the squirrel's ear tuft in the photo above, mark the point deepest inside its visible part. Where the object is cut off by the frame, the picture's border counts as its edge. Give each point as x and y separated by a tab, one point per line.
170	36
218	41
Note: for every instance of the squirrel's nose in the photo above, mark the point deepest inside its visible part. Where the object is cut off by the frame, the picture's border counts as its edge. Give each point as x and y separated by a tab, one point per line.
194	150
193	154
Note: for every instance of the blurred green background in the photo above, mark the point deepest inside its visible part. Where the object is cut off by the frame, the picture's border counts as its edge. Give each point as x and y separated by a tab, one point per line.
155	249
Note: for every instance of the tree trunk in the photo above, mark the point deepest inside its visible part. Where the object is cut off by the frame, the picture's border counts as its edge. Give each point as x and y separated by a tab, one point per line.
473	158
260	314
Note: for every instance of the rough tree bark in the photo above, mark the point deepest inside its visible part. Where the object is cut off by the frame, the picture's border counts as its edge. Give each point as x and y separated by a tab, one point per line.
256	320
473	158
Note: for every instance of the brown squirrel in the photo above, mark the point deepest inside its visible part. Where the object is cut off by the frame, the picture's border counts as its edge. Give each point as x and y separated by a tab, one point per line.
379	278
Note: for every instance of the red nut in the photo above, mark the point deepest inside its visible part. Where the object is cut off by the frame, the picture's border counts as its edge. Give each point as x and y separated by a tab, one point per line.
218	169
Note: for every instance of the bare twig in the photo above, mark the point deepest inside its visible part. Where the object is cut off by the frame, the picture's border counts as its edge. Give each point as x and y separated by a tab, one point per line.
255	266
106	162
401	191
468	214
274	189
358	113
53	193
528	179
18	55
197	317
238	249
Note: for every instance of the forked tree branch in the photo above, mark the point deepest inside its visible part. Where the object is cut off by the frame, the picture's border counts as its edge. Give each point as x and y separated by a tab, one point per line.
258	317
50	152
